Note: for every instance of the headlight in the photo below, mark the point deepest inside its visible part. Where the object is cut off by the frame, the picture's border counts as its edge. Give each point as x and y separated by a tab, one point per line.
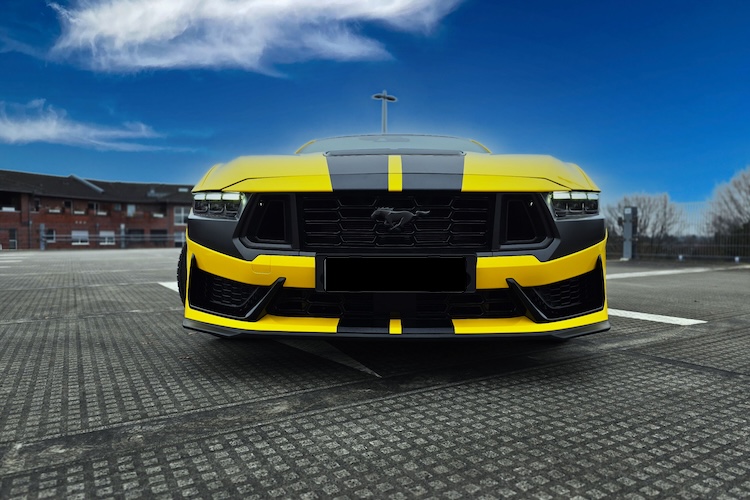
218	205
573	203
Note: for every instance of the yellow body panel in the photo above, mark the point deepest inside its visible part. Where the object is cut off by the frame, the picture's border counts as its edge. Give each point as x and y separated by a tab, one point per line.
528	271
522	325
262	271
266	173
299	184
528	173
395	173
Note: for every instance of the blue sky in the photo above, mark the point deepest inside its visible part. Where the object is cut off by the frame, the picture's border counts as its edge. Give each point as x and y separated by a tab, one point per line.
646	96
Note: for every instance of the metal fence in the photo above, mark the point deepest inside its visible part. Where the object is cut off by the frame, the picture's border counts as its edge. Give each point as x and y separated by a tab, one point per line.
692	237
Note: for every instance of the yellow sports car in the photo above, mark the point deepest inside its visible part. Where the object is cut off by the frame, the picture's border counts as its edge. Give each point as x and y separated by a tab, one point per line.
395	236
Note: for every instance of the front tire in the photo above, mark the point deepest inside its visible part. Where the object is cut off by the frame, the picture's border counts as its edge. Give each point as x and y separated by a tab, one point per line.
182	274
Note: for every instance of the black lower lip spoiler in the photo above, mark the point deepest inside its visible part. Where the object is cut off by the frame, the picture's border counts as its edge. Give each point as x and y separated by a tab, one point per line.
226	332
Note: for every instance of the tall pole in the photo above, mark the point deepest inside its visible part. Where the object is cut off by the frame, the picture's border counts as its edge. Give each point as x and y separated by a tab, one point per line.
384	113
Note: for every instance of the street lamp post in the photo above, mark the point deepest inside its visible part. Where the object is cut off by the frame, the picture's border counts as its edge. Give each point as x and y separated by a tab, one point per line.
383	96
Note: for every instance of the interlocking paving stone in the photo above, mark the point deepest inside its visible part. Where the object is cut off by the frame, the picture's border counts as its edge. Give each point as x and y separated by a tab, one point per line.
542	433
64	375
104	395
727	350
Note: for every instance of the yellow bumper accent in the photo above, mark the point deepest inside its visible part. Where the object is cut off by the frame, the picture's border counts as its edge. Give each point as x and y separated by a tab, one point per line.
492	272
522	325
528	271
263	271
268	323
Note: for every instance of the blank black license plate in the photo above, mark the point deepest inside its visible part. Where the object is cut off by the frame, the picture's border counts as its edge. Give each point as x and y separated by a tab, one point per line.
398	274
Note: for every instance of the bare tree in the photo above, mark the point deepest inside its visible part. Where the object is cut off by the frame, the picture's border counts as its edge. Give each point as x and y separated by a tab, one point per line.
730	205
658	216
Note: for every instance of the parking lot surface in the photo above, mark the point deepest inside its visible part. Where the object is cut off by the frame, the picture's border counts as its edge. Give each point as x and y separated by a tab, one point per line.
104	395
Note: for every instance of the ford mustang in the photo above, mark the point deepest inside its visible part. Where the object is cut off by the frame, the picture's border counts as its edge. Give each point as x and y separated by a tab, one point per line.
395	236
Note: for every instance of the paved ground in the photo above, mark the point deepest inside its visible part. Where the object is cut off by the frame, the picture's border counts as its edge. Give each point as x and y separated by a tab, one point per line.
103	394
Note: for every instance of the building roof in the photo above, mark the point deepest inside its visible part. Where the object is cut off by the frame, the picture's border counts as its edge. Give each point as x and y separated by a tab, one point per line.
74	187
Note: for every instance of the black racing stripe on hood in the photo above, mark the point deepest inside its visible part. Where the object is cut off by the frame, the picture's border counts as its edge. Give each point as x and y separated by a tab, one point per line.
358	172
433	172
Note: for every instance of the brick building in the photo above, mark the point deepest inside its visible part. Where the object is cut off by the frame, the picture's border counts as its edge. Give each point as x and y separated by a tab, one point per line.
47	212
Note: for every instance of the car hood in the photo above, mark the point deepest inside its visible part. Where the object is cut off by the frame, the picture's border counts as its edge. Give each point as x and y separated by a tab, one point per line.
436	170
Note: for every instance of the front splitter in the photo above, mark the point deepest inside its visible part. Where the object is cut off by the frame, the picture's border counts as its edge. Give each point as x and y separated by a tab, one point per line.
226	332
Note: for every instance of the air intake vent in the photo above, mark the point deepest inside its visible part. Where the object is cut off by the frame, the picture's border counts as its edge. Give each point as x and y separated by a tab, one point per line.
522	220
269	221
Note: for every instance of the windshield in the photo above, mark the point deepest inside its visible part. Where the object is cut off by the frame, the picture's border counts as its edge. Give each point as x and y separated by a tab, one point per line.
392	142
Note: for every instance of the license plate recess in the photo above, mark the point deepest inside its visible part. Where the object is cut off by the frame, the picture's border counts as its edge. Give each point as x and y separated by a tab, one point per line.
396	274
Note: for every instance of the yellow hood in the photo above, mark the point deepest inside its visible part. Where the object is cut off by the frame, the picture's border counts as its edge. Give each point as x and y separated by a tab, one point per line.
478	172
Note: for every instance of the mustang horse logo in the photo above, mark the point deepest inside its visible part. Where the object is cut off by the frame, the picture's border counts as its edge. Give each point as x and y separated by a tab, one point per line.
395	219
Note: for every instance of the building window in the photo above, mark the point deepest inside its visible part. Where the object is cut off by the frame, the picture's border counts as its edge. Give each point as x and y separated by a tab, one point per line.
10	202
106	237
159	237
135	235
94	206
181	215
79	237
179	238
12	239
50	236
68	204
130	210
117	207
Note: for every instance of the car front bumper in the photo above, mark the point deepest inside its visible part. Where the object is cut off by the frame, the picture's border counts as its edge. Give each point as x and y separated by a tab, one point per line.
519	275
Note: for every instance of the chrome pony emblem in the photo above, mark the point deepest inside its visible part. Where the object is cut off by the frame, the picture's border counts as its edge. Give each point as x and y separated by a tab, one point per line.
395	219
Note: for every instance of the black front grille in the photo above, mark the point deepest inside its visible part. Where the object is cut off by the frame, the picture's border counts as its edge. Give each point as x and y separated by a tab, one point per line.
481	304
377	221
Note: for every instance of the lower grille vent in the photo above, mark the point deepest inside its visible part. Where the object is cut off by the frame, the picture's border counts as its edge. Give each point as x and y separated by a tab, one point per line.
572	297
481	304
222	296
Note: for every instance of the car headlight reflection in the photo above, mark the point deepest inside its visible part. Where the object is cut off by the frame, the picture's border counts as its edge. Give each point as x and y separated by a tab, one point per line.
218	205
574	203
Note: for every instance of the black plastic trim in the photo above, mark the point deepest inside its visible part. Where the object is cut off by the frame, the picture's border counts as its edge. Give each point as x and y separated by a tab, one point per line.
215	234
578	234
260	309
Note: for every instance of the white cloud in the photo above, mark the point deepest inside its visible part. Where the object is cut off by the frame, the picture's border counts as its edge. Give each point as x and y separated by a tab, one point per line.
39	122
131	35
